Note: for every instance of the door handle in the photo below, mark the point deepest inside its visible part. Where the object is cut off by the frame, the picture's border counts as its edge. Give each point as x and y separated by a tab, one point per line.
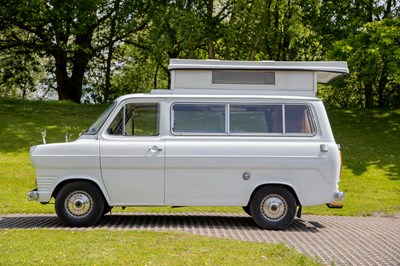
155	149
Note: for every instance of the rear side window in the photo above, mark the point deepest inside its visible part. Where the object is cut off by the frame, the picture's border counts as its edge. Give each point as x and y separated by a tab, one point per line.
243	119
255	118
298	120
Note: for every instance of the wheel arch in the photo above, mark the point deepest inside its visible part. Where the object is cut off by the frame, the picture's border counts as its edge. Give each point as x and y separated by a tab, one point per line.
66	181
284	185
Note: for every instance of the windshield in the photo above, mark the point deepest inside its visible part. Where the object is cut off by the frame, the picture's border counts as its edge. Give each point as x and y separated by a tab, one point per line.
100	121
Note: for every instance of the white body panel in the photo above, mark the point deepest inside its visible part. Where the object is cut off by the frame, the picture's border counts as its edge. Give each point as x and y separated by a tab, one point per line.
132	172
301	84
203	171
59	162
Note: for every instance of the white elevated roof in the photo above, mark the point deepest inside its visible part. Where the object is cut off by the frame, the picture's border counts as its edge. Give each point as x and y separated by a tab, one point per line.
251	77
326	70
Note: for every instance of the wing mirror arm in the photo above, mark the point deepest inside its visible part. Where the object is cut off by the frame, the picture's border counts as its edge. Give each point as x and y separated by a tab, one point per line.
44	136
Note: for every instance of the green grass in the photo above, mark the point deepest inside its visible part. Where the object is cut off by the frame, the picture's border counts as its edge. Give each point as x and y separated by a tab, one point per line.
370	144
104	247
370	141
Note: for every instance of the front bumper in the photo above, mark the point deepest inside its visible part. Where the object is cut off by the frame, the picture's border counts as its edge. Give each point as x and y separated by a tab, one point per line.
33	195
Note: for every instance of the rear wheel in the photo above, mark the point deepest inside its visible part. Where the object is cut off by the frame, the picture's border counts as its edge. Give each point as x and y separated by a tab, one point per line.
273	207
79	203
107	208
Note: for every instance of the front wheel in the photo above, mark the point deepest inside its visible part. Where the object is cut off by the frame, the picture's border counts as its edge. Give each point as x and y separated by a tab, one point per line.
273	207
79	203
246	209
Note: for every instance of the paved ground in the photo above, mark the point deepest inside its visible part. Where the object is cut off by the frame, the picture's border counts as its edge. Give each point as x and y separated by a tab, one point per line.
333	239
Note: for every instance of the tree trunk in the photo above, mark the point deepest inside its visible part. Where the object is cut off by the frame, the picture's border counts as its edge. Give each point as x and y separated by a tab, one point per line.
369	99
277	36
80	62
264	23
210	29
63	82
70	88
155	77
107	87
382	85
388	9
398	95
286	32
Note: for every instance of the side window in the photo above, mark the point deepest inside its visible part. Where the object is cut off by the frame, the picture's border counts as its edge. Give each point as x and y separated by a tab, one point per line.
274	119
198	118
298	119
136	119
255	119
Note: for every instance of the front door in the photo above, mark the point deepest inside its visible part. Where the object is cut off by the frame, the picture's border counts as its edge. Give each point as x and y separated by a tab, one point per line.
132	156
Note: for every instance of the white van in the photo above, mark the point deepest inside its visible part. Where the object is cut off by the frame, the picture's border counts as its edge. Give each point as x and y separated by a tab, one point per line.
227	133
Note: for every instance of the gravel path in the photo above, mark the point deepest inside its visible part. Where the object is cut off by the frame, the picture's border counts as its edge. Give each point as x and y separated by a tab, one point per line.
333	239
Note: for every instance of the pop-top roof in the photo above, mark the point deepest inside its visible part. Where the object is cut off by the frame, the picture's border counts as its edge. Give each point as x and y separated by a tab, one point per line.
250	77
326	70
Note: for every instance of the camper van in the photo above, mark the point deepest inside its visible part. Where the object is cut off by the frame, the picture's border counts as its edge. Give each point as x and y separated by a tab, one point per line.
226	133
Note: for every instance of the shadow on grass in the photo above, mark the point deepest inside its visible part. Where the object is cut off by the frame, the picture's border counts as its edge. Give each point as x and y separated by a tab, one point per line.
368	138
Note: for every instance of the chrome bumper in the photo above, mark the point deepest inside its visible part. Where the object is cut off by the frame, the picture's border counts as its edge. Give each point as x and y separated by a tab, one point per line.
339	195
33	195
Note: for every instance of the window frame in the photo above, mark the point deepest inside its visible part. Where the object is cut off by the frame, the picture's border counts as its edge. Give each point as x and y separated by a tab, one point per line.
227	131
123	107
186	133
312	122
256	133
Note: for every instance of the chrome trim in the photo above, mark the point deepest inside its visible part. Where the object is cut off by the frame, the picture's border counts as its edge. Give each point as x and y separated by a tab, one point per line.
274	207
339	195
33	195
78	204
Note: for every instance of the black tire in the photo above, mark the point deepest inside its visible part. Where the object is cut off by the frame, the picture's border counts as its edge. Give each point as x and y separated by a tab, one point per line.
273	207
247	209
79	203
107	208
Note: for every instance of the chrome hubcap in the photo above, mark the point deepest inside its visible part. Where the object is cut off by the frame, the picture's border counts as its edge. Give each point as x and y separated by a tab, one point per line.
274	207
79	203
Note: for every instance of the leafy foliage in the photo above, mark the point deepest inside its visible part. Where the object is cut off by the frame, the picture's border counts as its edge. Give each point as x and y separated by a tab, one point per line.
373	55
96	50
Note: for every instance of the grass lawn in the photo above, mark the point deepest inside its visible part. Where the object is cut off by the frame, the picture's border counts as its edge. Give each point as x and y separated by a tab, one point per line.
370	144
370	141
104	247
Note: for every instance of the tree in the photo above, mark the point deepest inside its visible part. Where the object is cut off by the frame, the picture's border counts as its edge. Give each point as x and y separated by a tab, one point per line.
373	55
72	32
